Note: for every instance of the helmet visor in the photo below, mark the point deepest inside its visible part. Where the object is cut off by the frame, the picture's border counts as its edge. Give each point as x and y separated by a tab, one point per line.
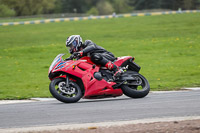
72	46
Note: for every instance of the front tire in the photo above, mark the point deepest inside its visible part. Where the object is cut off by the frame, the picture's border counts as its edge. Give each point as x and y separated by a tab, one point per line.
132	90
61	93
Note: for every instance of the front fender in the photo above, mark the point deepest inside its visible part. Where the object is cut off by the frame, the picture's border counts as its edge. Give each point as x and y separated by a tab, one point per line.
56	75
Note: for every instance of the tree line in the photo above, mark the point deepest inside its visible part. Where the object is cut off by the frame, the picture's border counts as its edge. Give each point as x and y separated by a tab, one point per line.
91	7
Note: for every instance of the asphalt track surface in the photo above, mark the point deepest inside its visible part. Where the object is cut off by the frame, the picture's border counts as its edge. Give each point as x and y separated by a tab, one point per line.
155	105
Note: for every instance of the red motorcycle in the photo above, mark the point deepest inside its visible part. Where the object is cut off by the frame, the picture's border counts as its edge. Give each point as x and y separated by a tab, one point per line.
72	80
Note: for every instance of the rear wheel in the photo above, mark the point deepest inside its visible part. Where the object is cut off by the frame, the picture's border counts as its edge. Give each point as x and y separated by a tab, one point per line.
59	90
135	91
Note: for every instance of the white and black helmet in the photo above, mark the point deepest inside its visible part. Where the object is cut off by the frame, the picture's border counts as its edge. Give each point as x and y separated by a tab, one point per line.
73	43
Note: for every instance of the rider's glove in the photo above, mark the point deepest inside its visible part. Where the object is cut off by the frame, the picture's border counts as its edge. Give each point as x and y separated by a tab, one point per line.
78	54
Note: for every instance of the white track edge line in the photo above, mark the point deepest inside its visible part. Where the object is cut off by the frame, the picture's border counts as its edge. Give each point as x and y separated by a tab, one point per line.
66	126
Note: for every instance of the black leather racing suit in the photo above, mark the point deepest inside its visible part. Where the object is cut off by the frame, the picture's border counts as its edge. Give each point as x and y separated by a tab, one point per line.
98	54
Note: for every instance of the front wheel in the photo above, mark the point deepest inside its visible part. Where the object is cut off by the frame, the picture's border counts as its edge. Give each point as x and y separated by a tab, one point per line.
59	90
136	91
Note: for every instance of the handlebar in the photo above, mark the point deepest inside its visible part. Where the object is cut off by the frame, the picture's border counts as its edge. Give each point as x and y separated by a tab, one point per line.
69	58
73	56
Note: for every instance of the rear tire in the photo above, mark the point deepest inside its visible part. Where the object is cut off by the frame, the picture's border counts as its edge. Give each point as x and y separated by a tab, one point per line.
131	91
57	89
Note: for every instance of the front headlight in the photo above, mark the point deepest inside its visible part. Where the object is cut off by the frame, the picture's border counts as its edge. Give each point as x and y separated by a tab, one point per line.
52	65
55	61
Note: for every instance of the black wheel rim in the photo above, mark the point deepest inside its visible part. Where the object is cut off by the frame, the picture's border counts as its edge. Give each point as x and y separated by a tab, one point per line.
70	92
137	87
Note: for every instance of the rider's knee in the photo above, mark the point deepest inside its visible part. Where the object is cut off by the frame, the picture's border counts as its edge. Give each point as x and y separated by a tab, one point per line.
96	57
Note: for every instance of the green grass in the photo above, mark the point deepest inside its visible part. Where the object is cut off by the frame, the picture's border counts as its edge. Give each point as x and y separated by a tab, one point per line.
167	47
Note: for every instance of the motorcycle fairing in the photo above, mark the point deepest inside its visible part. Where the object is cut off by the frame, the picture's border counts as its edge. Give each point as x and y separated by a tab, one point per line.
84	69
97	88
121	60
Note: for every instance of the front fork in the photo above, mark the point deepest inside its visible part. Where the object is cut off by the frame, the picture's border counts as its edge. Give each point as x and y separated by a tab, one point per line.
67	81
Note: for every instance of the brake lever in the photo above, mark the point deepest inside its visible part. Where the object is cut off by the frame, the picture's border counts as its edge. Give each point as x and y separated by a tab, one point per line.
69	58
72	56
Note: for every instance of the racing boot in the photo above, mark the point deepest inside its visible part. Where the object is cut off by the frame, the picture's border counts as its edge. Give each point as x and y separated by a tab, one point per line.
117	71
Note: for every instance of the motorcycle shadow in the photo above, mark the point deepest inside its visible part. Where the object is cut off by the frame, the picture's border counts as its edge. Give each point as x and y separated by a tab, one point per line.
103	100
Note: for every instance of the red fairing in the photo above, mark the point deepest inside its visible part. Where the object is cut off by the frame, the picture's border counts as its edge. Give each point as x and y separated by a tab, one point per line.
121	60
86	59
100	88
84	70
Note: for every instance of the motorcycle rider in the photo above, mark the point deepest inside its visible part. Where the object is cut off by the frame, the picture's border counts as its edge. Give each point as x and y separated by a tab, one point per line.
98	54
